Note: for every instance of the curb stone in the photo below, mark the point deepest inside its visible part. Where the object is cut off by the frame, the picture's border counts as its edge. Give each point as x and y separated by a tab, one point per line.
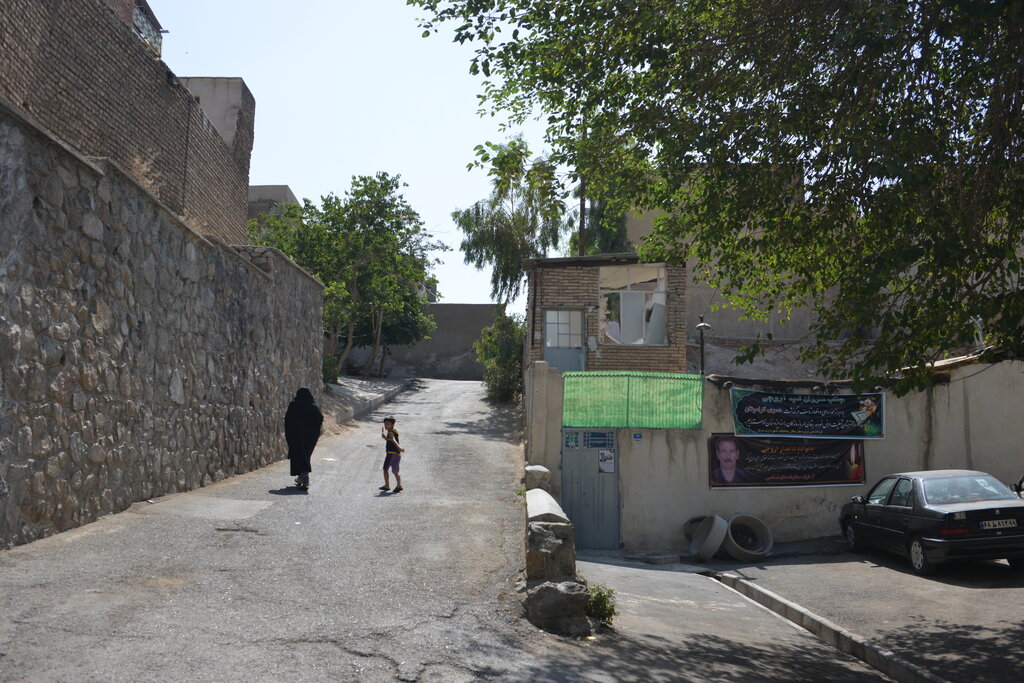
856	646
377	402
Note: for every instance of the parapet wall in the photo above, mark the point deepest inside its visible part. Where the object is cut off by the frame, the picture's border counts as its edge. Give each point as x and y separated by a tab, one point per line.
139	358
81	72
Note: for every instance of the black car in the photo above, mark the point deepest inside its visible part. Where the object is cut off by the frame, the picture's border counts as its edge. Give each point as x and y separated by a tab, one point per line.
938	516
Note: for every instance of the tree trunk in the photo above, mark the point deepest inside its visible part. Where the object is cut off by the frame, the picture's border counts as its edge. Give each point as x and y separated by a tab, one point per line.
378	327
349	334
383	355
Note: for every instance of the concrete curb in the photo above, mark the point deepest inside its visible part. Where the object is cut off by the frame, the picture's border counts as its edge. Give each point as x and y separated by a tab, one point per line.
844	641
358	409
372	405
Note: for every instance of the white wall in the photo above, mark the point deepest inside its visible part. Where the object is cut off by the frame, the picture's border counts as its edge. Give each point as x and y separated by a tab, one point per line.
976	421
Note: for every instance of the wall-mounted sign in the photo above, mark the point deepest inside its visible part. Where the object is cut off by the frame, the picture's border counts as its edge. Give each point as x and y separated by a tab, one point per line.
637	436
739	461
605	461
823	416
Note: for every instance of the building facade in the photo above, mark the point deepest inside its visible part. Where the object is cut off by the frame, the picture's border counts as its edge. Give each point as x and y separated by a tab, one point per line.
606	312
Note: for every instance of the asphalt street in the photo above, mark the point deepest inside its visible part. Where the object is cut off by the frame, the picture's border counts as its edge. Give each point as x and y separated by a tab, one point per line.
963	623
251	580
248	579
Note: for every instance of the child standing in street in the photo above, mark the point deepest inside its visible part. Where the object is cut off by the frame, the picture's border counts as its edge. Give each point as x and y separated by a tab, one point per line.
392	454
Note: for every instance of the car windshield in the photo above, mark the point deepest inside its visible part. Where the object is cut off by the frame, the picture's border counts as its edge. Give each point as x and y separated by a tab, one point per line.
965	489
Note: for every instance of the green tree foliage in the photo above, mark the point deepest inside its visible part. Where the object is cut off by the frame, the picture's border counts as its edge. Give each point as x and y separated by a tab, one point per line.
521	219
370	250
605	232
500	351
863	157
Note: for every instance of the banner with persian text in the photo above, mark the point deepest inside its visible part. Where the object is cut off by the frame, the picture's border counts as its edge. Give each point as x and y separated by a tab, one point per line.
822	416
740	461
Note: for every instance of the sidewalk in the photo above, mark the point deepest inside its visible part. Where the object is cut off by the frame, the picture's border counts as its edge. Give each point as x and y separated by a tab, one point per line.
696	628
352	398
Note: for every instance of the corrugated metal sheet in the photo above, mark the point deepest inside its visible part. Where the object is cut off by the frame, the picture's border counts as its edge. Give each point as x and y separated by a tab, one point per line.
653	400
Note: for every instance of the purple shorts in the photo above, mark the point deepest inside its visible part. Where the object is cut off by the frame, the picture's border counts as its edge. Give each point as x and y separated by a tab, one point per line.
392	460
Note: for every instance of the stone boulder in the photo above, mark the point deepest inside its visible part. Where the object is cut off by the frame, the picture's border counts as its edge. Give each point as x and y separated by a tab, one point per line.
558	607
550	551
538	477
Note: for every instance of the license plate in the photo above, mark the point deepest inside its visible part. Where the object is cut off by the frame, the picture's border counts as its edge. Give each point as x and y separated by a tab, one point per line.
998	523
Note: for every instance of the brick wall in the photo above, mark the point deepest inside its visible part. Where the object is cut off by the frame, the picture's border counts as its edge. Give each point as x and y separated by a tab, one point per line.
123	9
576	286
82	73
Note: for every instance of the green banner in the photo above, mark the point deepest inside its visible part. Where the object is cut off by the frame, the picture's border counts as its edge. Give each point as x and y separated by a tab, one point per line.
823	416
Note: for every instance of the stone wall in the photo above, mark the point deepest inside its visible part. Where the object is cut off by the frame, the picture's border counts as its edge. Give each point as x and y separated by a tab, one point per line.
137	357
84	74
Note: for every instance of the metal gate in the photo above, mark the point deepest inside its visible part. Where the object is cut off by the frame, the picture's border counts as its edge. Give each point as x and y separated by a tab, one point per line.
590	486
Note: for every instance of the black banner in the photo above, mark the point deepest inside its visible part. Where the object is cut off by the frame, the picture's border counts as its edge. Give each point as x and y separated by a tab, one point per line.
823	416
739	461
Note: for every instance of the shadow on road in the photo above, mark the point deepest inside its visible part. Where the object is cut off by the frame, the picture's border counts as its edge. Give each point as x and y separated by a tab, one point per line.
503	423
289	491
958	652
650	658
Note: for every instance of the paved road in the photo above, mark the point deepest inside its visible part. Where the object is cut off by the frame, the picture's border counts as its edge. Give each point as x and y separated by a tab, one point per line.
965	623
681	626
248	580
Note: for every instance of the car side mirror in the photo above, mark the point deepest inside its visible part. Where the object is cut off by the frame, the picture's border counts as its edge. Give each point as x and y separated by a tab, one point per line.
857	499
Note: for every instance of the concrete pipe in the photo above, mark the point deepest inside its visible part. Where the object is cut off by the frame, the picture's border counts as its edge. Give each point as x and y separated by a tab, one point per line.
708	537
690	527
747	538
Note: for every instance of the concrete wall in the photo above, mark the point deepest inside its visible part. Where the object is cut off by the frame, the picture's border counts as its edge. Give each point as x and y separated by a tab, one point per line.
729	332
84	74
972	422
542	405
139	358
448	354
263	198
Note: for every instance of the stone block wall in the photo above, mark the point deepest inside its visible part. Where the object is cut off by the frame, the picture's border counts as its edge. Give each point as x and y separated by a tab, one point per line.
137	357
576	286
84	74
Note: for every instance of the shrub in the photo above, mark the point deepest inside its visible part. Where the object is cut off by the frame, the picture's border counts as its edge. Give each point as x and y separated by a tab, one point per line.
500	351
602	604
330	368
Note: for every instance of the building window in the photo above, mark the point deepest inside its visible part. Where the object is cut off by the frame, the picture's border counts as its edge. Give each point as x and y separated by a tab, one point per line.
633	305
563	329
147	26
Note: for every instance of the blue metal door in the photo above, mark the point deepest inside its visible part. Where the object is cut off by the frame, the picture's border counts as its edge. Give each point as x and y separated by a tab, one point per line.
590	487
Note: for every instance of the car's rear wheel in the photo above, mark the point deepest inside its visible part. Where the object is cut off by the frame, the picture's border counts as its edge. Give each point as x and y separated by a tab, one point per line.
853	541
918	560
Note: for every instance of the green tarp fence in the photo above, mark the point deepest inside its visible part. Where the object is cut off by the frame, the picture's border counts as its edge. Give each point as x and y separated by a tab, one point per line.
652	400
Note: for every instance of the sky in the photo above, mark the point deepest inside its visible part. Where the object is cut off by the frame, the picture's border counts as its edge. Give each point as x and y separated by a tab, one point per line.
350	87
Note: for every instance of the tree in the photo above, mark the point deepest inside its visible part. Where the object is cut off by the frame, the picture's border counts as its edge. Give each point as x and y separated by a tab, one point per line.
863	157
521	219
500	351
605	232
370	250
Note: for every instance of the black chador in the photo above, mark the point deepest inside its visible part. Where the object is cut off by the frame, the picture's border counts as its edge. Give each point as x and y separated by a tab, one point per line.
302	423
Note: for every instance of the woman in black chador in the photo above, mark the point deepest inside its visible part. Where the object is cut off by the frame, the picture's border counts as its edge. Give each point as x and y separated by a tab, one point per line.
302	423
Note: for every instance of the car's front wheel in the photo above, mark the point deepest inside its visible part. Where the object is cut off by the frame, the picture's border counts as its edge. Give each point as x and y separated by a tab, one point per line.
918	560
853	541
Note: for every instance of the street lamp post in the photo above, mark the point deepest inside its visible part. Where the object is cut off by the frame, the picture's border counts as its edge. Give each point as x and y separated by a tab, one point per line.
701	326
